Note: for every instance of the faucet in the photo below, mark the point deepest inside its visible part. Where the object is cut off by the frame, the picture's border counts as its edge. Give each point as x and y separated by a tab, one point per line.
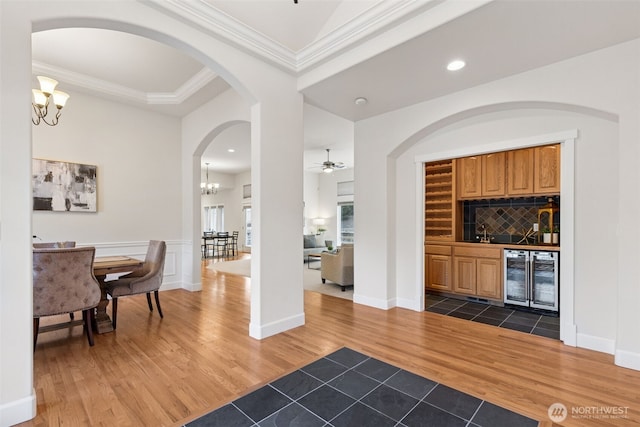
485	238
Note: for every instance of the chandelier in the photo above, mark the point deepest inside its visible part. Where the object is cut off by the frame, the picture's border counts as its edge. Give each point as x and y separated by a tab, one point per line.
206	188
41	99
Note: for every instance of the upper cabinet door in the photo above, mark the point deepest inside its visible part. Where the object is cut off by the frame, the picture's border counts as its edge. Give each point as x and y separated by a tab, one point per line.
520	171
493	176
469	177
547	171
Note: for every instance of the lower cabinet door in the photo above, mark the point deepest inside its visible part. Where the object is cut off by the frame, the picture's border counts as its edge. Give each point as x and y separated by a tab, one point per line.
489	278
464	277
438	275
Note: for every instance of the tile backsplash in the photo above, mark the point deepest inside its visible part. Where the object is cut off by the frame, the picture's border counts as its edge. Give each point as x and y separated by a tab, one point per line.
506	220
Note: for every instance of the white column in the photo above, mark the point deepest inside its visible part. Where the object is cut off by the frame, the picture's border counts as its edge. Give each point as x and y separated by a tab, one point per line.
276	195
17	396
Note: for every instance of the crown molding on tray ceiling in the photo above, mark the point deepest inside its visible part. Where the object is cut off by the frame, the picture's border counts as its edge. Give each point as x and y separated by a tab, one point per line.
369	23
184	92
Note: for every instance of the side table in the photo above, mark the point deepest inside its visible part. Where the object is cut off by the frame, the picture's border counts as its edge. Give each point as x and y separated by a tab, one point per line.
313	258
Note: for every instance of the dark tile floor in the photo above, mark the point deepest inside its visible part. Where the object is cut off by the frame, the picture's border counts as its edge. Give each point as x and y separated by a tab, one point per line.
347	388
531	323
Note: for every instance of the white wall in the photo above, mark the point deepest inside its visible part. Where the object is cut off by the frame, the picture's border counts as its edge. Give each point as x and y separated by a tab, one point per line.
310	196
137	154
590	93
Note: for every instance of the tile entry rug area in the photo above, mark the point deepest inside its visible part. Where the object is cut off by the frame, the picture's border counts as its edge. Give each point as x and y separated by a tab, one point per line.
348	388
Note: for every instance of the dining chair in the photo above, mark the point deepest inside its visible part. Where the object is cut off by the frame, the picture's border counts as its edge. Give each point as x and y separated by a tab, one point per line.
221	244
208	243
144	280
51	245
63	282
234	243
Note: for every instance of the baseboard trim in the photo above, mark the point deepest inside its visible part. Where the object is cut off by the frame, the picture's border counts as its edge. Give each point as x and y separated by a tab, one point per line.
172	285
591	342
627	359
191	287
264	331
569	333
409	304
374	302
18	411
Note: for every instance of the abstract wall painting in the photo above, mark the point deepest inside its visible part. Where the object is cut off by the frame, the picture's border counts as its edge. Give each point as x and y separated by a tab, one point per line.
63	186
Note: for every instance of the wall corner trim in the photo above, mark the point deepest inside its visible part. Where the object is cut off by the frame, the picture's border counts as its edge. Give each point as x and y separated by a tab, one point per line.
264	331
627	359
18	411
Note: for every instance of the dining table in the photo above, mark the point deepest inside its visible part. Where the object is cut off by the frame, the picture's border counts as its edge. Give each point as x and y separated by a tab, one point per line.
102	266
213	241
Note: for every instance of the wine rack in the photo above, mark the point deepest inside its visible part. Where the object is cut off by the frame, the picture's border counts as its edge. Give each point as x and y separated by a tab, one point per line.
440	200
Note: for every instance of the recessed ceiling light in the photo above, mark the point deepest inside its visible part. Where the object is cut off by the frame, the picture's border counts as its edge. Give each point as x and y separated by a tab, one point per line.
231	150
456	65
360	101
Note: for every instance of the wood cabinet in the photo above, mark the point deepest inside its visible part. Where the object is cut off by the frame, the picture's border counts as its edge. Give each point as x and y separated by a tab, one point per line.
489	278
481	176
534	171
493	175
520	164
469	177
547	170
440	214
478	271
438	267
465	275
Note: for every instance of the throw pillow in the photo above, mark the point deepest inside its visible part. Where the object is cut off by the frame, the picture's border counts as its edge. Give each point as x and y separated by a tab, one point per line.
309	241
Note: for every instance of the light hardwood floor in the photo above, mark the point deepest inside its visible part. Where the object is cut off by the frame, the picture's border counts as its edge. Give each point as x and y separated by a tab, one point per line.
154	372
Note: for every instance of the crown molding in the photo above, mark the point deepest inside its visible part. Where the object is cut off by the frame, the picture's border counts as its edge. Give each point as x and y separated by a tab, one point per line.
231	30
369	23
189	88
225	27
184	92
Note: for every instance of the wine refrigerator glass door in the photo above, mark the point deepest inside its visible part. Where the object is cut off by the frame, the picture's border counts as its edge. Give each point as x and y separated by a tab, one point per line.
544	280
516	273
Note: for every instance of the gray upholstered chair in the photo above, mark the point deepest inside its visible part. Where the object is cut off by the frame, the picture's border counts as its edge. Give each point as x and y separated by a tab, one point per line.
144	280
52	245
63	282
338	267
67	244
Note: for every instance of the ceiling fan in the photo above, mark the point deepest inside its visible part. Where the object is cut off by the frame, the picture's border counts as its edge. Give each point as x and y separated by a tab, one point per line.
328	166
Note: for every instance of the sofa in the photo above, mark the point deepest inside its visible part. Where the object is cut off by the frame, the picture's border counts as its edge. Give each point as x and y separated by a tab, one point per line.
338	267
311	246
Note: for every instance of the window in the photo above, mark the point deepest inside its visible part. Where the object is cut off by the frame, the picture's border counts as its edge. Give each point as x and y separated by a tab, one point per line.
247	226
345	222
214	218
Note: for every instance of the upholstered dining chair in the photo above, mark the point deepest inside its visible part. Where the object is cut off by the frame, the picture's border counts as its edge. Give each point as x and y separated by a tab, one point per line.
44	245
51	245
63	282
144	280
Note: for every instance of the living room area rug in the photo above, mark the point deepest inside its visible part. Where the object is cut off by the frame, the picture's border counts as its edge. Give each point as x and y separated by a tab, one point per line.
311	278
348	388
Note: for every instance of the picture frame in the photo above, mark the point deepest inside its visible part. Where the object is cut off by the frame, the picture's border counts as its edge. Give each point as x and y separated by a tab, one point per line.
60	186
